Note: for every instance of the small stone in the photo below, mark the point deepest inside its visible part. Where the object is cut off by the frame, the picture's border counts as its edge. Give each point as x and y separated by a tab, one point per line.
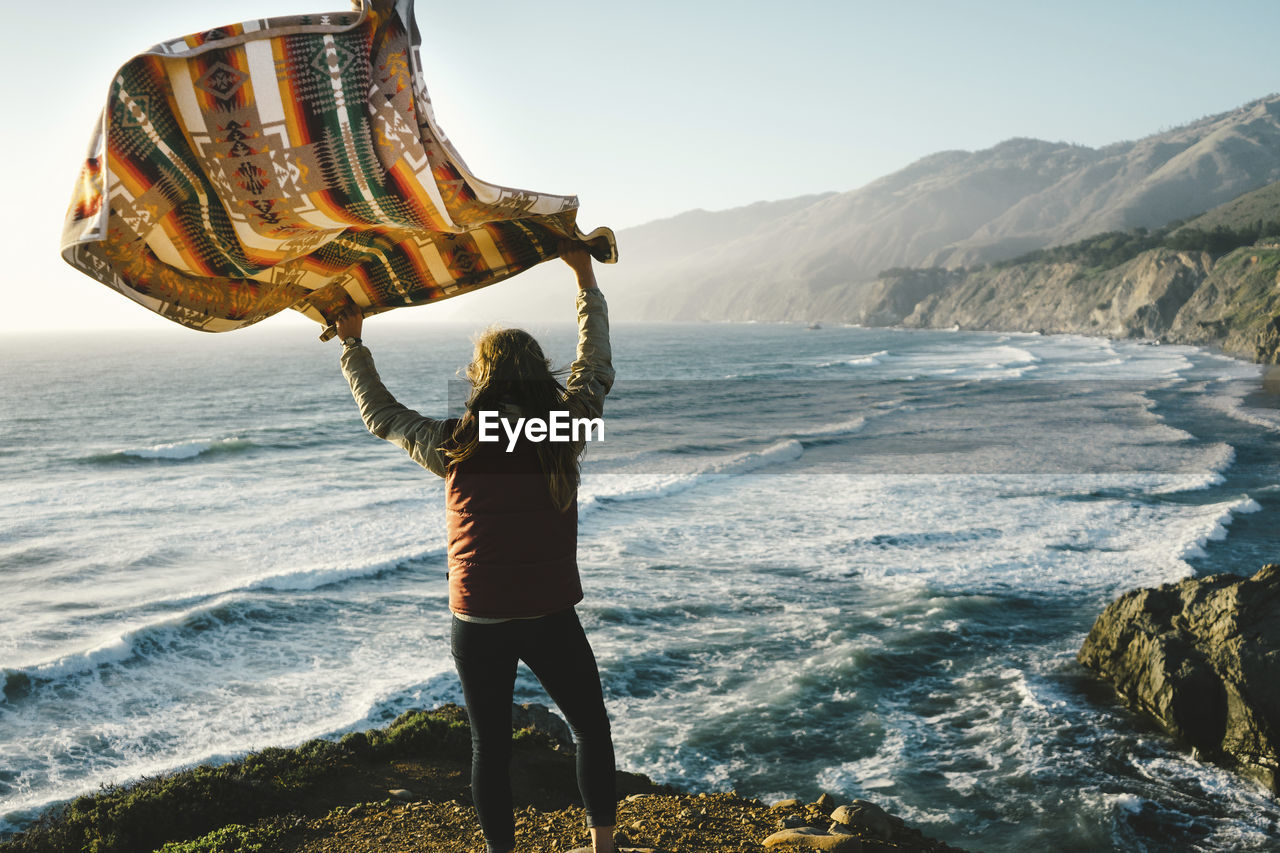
815	839
825	802
785	804
532	715
401	793
865	814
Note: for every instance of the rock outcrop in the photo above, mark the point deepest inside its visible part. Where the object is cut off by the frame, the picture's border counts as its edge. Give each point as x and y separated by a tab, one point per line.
1175	297
1201	657
533	715
1140	298
858	827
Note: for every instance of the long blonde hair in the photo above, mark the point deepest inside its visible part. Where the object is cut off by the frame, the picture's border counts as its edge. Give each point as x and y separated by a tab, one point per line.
509	367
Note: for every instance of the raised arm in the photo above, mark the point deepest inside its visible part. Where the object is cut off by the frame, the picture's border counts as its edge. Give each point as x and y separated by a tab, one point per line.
386	418
591	374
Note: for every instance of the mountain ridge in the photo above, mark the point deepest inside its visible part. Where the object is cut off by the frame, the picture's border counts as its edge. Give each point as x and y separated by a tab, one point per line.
957	208
819	256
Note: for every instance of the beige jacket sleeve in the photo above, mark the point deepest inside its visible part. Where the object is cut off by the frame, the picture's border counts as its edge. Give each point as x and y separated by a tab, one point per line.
591	374
590	378
416	434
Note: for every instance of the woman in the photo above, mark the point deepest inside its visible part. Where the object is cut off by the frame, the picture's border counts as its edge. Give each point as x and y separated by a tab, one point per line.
512	531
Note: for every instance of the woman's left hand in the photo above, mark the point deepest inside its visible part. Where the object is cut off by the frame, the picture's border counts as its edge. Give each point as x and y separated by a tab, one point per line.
349	323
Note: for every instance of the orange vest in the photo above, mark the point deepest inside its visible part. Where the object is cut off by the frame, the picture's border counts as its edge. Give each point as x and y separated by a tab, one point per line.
511	552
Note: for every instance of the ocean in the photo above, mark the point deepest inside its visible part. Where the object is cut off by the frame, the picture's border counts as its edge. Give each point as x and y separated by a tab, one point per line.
837	559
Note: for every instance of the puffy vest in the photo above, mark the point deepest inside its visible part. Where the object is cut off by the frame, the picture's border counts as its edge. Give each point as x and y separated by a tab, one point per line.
511	552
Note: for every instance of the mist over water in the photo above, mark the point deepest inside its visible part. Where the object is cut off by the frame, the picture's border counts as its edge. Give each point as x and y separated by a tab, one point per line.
851	560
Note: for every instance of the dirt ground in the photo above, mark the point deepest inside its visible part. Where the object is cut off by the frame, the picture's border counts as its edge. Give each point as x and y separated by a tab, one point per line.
664	823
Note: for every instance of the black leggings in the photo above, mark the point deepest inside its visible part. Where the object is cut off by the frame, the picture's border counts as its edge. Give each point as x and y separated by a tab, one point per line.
555	648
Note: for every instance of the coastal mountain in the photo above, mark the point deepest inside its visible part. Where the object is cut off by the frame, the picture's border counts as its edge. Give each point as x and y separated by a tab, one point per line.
954	220
951	209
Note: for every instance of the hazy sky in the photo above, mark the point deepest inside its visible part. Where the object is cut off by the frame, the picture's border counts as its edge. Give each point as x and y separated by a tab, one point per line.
646	109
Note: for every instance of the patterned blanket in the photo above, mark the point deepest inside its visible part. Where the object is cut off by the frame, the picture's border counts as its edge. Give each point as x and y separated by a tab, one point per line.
295	163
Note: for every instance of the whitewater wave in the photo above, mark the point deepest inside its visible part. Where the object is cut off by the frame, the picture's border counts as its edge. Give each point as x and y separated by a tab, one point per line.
118	649
178	451
219	607
1231	403
1219	458
109	651
850	427
1001	361
305	580
1212	527
857	360
1007	362
635	487
631	487
1007	356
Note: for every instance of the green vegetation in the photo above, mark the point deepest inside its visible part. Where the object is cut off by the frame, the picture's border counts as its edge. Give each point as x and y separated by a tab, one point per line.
1221	239
1254	300
911	272
1242	221
233	838
1101	251
191	811
1261	205
444	730
1113	248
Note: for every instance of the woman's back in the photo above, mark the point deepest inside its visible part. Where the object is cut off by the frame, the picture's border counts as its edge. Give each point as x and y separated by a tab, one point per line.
512	552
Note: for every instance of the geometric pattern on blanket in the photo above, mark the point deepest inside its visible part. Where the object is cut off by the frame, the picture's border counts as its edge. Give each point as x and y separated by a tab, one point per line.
295	163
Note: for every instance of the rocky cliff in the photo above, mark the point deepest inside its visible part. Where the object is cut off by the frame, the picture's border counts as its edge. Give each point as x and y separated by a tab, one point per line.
1202	658
1165	295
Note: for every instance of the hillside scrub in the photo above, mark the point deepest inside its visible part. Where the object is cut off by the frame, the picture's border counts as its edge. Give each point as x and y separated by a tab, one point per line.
148	814
1113	248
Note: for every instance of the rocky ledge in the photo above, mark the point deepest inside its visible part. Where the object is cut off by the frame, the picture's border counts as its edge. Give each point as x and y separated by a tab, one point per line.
405	788
1201	657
